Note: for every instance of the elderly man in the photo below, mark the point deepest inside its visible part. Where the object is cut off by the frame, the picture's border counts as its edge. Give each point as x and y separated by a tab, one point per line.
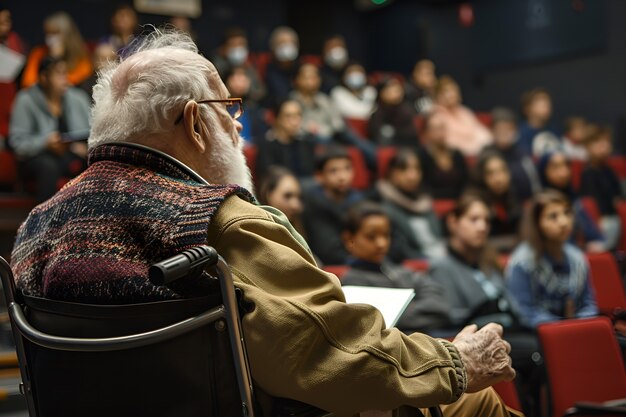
94	240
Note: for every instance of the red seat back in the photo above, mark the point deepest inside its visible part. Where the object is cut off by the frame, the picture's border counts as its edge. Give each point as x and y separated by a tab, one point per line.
443	207
358	126
607	282
618	163
250	152
8	168
383	156
621	210
591	207
361	174
583	362
418	265
484	118
577	172
338	270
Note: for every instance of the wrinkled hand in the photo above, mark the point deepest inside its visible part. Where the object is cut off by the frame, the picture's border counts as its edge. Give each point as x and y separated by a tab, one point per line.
485	356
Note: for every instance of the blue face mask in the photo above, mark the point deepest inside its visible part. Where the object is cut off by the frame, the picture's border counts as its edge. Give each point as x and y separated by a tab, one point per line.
355	80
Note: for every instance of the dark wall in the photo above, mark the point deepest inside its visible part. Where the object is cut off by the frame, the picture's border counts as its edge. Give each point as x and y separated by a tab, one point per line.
592	84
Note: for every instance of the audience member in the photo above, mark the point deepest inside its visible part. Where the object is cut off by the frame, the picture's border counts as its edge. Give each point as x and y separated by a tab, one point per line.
420	88
286	144
298	309
46	119
319	115
492	180
600	182
233	53
367	236
280	189
573	138
8	88
335	56
505	140
416	228
464	131
63	41
124	28
555	173
253	119
281	70
102	56
470	273
547	275
326	203
537	134
445	169
353	97
391	124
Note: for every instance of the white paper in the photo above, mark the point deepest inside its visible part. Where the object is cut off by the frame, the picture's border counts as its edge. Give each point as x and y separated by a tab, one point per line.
11	63
391	302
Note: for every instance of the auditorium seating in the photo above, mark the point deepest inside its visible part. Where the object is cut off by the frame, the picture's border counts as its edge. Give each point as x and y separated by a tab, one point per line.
358	126
621	210
338	270
583	362
383	156
607	282
591	207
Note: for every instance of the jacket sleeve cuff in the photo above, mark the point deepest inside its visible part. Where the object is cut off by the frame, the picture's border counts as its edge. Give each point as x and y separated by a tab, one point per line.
459	369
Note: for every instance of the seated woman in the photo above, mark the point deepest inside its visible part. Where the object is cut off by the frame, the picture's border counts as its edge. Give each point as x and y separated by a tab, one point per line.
47	123
464	132
64	42
547	275
367	237
555	173
392	121
286	144
470	274
416	229
280	189
492	179
445	169
353	98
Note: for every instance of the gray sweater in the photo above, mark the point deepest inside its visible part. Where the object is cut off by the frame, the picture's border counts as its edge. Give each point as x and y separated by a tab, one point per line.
32	122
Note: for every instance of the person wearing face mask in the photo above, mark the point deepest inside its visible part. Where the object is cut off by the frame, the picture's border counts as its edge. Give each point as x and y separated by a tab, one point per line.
353	97
46	118
64	41
281	70
233	53
335	55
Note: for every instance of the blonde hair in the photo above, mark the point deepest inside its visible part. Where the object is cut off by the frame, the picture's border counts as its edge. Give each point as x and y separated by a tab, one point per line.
73	44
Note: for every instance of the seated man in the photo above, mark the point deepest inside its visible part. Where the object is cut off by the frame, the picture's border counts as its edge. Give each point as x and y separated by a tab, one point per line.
95	239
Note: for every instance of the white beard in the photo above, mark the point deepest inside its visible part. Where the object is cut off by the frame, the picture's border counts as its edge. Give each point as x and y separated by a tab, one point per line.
228	163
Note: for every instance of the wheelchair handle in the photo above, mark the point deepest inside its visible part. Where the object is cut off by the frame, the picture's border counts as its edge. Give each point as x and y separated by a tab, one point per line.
181	265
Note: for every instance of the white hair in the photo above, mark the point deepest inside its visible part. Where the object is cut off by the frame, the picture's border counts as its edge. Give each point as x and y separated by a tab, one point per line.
144	92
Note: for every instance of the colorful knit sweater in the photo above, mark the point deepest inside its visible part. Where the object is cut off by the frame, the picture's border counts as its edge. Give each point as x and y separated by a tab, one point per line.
94	241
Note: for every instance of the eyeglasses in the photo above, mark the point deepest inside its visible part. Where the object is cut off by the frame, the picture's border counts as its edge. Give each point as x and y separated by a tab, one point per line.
234	106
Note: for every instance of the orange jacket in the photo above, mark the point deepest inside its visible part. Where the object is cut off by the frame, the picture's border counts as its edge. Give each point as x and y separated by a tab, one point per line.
76	75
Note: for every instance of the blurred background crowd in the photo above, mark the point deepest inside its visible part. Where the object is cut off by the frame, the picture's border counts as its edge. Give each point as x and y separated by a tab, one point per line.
470	150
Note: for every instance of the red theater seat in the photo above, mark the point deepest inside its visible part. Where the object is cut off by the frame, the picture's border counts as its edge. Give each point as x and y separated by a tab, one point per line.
443	207
621	210
418	265
484	118
358	126
607	282
577	173
338	270
361	174
250	152
583	362
591	207
507	391
8	169
618	163
383	156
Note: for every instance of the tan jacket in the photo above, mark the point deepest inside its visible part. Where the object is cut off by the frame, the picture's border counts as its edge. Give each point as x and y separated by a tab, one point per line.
305	343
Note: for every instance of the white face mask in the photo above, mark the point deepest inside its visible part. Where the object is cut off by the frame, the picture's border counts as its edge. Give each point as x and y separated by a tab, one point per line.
237	55
286	52
355	80
53	41
336	57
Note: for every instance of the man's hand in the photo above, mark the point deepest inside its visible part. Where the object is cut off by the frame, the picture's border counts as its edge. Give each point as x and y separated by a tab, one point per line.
485	356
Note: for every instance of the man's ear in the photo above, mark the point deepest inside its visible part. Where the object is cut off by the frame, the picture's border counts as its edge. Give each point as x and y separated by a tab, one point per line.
193	125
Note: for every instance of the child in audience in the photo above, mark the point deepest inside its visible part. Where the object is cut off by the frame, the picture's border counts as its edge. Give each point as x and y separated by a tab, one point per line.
281	190
555	173
63	41
416	228
445	170
353	98
547	275
464	131
505	140
420	89
392	121
600	182
470	273
367	237
492	179
286	144
537	134
574	137
326	203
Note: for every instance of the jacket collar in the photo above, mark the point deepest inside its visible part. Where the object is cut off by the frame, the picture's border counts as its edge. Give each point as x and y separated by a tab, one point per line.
126	154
